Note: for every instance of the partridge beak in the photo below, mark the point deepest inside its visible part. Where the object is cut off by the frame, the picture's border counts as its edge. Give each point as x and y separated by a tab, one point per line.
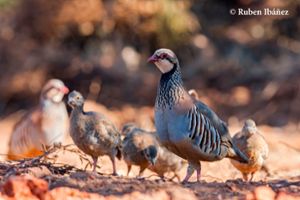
152	59
65	90
152	161
71	102
250	129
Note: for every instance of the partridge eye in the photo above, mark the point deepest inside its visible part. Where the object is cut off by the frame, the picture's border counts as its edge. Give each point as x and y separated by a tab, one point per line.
163	56
77	98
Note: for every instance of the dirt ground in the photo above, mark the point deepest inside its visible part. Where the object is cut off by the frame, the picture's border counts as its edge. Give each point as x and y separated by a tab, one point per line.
219	179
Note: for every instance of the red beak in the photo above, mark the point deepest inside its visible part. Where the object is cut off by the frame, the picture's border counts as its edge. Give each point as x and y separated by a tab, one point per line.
152	59
65	90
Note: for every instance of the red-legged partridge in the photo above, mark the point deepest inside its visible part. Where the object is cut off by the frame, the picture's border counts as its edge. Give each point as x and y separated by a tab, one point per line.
44	126
183	126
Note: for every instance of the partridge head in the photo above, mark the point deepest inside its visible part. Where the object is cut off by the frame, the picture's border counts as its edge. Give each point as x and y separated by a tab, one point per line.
150	154
54	91
75	100
249	127
164	59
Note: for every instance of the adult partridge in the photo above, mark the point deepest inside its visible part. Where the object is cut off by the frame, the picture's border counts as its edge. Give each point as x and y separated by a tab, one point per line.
43	126
182	125
139	148
253	144
92	132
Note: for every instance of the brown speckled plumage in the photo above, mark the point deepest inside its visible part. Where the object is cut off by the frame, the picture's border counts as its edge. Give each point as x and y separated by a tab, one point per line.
139	147
253	144
167	162
138	140
92	132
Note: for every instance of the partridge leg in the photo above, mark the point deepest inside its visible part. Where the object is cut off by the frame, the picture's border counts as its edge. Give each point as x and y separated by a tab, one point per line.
171	179
245	176
142	169
198	170
113	165
266	169
128	169
162	177
189	173
95	159
251	176
175	176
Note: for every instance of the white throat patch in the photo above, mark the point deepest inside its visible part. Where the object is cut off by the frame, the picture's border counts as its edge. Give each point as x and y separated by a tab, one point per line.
164	65
58	97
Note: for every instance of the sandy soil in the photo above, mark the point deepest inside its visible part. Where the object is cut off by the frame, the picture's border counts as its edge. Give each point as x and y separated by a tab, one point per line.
219	179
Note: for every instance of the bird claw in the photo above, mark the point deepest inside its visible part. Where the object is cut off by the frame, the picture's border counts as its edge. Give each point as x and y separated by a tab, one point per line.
93	175
115	174
184	182
163	179
140	178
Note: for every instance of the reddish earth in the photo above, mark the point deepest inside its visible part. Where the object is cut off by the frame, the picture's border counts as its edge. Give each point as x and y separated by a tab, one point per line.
219	179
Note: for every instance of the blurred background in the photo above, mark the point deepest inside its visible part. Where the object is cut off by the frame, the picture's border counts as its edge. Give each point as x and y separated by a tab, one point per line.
241	66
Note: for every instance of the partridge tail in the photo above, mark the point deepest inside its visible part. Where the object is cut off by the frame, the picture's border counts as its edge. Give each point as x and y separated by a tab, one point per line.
233	151
11	156
236	154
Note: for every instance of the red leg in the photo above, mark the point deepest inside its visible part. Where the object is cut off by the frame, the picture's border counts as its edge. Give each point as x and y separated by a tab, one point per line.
245	176
198	172
114	166
95	163
189	173
128	169
251	176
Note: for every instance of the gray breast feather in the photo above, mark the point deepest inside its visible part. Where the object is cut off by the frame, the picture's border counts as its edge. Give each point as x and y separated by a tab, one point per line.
161	125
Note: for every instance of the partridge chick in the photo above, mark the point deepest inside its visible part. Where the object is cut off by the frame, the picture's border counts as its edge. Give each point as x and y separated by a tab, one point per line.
94	134
253	144
167	162
161	162
139	148
183	126
43	126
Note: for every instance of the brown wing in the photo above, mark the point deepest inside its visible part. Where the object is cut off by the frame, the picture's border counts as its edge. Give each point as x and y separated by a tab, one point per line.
22	140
